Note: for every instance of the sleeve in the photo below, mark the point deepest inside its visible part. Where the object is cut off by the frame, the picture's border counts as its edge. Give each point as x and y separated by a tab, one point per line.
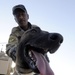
12	45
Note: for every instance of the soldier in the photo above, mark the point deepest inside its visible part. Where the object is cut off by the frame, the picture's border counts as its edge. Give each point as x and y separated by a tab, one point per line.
21	17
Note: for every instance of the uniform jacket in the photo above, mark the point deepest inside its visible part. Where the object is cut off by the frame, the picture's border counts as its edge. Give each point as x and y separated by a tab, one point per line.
14	39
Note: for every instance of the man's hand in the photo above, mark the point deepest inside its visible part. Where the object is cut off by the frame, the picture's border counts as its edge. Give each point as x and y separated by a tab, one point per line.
12	53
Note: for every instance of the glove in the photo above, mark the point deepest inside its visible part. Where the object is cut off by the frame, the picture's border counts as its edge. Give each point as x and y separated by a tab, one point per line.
12	53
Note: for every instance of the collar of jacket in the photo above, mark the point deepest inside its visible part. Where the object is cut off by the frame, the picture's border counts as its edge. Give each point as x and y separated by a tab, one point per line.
29	26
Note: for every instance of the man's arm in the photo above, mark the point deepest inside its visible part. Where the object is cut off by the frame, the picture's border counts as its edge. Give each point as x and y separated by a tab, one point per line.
11	46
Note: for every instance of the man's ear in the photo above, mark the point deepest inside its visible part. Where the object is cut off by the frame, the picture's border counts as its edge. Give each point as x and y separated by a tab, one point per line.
15	19
28	16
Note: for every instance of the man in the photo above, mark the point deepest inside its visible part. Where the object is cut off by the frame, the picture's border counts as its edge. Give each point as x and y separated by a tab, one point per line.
21	17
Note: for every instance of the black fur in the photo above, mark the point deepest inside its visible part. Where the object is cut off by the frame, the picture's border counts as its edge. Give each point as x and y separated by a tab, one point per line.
38	40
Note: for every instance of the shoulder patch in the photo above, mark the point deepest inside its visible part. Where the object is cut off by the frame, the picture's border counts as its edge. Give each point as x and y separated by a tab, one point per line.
13	39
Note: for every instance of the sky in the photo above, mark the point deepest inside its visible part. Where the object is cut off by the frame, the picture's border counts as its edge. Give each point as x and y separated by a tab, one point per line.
52	16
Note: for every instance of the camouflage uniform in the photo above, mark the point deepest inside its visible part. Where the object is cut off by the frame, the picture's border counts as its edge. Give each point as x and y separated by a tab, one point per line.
14	39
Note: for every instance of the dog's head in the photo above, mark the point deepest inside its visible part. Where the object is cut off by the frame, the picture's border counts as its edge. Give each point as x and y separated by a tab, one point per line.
36	40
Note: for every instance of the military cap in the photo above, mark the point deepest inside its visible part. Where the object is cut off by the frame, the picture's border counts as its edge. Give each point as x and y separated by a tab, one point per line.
20	6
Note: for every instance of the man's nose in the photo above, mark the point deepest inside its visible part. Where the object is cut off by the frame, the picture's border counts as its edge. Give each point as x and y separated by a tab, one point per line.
20	17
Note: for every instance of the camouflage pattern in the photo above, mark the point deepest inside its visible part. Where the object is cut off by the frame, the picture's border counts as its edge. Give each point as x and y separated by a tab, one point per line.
13	41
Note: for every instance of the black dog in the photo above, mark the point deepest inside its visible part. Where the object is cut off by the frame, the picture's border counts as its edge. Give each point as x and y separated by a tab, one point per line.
34	44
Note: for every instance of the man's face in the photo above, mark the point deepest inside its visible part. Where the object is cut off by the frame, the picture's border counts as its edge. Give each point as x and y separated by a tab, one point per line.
21	18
